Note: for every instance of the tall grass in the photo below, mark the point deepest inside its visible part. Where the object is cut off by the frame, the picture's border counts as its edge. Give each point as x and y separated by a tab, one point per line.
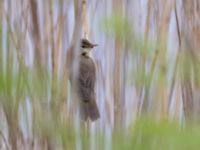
147	66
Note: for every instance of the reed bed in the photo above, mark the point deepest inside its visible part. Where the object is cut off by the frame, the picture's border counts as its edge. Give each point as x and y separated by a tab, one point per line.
148	77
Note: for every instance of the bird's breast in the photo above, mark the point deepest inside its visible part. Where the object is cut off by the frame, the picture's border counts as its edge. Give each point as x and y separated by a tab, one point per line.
87	64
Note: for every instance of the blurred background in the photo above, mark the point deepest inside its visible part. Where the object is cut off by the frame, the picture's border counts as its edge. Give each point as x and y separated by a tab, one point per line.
148	74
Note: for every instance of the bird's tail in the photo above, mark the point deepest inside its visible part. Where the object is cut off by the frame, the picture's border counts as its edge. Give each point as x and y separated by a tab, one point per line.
89	110
93	110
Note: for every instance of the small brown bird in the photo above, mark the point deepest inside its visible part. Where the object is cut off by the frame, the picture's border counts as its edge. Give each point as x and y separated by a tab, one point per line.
85	83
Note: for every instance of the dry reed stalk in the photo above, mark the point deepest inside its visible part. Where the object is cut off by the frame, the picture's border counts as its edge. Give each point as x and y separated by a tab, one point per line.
72	51
190	85
176	60
162	47
85	22
54	64
39	58
54	52
160	60
145	104
117	72
63	82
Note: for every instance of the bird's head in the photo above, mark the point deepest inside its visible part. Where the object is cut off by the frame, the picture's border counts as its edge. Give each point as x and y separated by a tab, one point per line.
86	46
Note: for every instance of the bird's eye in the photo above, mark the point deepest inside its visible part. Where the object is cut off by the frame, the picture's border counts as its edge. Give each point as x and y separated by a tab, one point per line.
83	46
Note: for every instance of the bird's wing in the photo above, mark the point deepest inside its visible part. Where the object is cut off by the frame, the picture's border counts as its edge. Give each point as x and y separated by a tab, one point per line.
87	77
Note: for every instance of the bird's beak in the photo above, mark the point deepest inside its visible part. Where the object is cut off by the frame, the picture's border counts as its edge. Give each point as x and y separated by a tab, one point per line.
94	45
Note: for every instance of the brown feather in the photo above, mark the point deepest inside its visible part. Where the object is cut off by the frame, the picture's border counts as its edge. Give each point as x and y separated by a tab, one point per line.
86	85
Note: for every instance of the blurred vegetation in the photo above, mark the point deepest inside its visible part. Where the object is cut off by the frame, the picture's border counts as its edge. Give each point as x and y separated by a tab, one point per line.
147	74
148	133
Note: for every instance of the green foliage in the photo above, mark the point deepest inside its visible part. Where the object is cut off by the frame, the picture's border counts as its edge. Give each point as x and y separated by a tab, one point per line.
152	134
116	24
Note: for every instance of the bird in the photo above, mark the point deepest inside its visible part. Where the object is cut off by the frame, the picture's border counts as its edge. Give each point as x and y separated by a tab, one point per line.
85	80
